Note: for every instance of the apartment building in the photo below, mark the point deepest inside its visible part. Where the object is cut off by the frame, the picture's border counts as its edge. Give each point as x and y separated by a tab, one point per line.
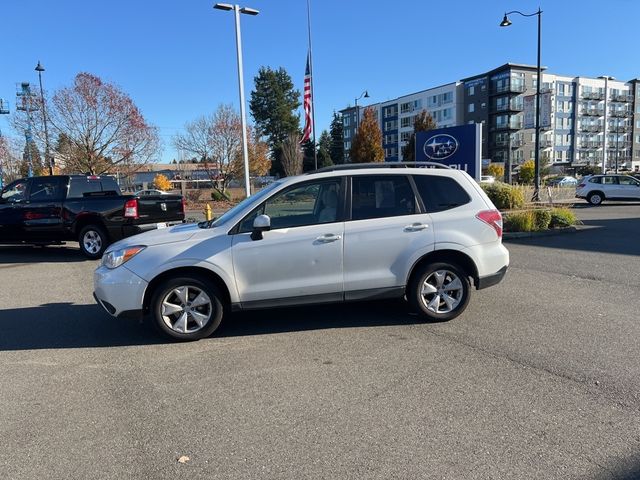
396	117
584	121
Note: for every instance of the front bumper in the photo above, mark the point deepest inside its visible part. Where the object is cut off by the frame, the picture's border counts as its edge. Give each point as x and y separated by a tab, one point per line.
119	291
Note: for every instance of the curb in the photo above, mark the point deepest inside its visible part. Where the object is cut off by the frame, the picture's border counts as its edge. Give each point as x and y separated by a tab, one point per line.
545	233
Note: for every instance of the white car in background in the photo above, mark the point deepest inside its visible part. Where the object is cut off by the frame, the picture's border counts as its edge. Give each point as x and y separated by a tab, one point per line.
340	234
597	188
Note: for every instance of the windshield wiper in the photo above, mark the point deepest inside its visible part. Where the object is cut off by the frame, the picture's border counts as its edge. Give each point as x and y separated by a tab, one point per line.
207	223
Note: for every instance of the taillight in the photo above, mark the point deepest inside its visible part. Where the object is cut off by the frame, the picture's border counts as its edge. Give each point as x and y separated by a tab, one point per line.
493	218
582	185
131	208
184	205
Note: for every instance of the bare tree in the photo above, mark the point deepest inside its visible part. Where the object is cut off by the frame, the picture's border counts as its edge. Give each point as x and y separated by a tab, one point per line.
103	128
10	159
259	161
291	155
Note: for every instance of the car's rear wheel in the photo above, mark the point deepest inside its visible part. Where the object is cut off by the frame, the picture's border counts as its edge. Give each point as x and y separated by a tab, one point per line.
439	291
595	198
187	308
93	241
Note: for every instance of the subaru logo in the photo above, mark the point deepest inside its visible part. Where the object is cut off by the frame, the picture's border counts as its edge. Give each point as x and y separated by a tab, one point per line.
440	146
163	207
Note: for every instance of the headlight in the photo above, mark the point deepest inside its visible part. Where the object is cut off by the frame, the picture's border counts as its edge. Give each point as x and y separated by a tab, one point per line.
115	258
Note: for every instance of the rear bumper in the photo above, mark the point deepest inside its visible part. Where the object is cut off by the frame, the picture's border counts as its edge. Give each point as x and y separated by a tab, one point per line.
493	279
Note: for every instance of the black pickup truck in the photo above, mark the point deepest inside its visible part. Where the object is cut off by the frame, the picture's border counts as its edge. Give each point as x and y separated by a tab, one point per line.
88	209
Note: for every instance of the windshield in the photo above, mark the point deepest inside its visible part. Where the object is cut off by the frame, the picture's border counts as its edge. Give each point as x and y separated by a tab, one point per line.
242	205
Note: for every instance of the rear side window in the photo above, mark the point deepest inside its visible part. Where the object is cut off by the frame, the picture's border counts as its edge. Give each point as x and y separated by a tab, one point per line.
86	186
440	193
46	189
379	196
595	180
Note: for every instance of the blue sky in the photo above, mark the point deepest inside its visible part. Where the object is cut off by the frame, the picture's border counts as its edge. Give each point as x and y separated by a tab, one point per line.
177	59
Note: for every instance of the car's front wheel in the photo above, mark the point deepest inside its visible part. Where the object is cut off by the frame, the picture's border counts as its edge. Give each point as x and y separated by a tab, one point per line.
187	308
439	291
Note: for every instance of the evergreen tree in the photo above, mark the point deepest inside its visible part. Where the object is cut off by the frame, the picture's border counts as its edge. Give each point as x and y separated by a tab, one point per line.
367	143
273	106
324	150
308	160
36	162
422	123
337	139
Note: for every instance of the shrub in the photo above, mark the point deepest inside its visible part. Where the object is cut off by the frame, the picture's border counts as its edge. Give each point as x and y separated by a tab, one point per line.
218	196
520	221
496	171
562	217
541	218
504	196
161	182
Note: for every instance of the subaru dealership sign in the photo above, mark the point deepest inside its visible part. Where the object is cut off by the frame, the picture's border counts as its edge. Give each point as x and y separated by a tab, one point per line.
458	147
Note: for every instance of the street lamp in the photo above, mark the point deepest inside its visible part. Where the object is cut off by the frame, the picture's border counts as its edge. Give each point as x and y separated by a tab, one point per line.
243	115
364	94
606	79
505	23
39	68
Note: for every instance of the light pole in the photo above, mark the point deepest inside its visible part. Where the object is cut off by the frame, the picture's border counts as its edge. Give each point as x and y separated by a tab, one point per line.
243	115
364	94
505	23
48	159
606	79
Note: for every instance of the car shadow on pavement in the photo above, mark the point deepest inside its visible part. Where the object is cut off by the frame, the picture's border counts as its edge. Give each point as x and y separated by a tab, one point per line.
318	317
50	254
66	325
607	236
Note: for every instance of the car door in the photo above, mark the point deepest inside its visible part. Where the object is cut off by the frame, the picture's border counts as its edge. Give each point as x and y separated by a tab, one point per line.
629	187
299	260
384	232
610	186
42	212
11	200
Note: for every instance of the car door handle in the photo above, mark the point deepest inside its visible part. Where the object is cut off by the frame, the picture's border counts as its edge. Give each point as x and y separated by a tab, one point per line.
329	237
415	227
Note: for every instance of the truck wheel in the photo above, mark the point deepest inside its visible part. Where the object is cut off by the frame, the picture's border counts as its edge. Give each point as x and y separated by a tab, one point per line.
93	241
439	291
187	308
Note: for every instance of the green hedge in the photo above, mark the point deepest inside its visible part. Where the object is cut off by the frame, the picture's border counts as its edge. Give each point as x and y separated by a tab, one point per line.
504	196
539	219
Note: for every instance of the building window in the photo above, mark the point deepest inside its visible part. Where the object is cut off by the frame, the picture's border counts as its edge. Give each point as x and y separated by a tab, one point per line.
406	122
391	125
346	120
347	133
447	97
472	107
483	105
390	111
347	145
472	90
446	114
405	136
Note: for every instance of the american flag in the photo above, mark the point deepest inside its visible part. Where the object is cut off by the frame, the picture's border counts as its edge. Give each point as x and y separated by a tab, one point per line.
308	122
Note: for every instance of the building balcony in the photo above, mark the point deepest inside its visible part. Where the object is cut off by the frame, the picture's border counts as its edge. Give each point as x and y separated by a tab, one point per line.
620	128
622	97
508	107
590	145
511	88
507	126
546	143
592	112
591	128
592	95
517	143
500	143
620	113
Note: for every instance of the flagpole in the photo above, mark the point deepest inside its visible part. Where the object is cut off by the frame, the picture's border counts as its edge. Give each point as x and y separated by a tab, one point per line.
313	98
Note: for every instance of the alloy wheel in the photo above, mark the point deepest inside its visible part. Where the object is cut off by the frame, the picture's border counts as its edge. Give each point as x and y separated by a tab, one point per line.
441	292
186	309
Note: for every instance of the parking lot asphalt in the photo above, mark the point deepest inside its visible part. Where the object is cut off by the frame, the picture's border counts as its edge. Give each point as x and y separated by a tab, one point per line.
539	378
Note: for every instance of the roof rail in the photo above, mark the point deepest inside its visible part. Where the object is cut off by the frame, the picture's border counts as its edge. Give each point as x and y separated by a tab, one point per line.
357	166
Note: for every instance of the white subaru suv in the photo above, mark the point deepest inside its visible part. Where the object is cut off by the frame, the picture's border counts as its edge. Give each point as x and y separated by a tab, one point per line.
350	232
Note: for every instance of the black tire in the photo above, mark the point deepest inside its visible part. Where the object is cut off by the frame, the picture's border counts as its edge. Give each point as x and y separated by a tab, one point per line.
93	241
427	305
595	198
168	323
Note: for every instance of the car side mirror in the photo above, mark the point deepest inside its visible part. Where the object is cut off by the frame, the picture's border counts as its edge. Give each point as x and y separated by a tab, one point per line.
262	223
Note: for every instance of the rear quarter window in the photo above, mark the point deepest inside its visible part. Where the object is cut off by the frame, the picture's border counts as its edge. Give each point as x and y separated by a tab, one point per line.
440	193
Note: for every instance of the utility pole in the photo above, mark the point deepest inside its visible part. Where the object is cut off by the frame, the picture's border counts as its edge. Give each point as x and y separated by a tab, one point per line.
25	96
4	110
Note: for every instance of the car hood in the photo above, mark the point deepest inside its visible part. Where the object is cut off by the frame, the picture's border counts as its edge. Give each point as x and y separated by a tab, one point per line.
178	233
